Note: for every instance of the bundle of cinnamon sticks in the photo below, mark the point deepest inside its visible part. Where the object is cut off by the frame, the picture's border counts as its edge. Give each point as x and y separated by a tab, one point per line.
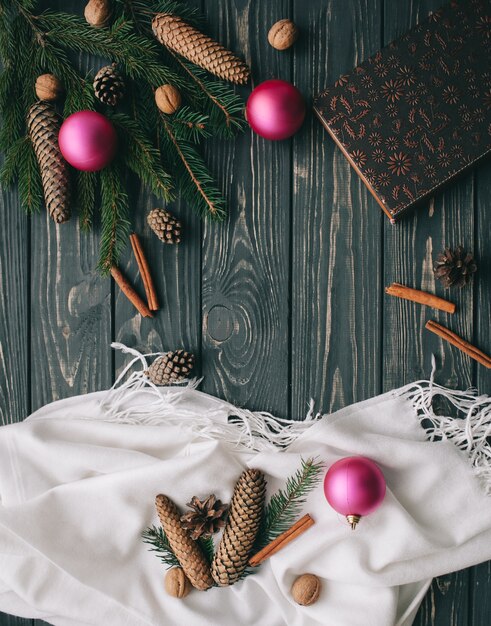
145	308
428	299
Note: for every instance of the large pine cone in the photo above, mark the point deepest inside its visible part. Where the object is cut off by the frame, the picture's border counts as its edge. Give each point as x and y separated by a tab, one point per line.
109	85
44	124
454	267
171	367
165	225
186	550
246	510
174	33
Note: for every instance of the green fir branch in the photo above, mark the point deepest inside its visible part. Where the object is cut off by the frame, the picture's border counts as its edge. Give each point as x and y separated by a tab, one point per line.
86	183
140	156
190	125
115	224
196	183
156	537
286	504
29	177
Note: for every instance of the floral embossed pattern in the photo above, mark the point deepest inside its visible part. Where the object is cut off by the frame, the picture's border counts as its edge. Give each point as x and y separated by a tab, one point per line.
419	111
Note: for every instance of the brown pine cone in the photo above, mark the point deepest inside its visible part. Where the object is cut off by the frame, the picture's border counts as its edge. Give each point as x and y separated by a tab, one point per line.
454	267
109	85
206	518
174	33
186	550
246	510
165	225
171	367
44	124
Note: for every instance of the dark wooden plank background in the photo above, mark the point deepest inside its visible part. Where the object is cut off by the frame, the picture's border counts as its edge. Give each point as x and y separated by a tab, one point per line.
285	301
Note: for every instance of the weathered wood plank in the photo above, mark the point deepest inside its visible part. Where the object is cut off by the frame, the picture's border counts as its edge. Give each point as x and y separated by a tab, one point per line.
176	271
481	575
70	303
336	246
409	248
245	276
14	310
14	323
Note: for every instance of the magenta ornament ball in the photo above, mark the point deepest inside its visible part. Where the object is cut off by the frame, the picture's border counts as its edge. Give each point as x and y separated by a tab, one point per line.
354	485
87	140
275	109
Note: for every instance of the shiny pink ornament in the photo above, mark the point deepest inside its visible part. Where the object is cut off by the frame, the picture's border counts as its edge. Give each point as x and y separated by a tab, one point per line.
354	486
87	140
275	109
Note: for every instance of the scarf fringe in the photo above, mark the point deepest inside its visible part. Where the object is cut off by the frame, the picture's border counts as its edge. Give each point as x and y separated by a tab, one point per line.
470	432
138	401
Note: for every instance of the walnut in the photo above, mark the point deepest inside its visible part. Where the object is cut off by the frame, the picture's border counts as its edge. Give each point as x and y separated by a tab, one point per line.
48	87
98	12
168	99
306	589
283	34
176	583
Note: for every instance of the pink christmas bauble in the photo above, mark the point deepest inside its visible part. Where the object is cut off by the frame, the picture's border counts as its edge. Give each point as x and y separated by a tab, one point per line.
87	140
354	486
275	109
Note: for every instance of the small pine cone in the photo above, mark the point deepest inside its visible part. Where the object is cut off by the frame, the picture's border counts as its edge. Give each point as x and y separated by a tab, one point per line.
454	267
174	33
109	85
186	550
165	225
171	367
206	518
246	510
44	124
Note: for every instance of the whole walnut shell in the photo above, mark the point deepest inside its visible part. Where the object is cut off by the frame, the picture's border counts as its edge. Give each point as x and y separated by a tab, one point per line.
98	12
283	34
176	583
306	589
48	87
168	99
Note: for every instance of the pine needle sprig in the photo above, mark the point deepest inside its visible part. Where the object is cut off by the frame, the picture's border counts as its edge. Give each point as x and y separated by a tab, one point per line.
156	537
140	156
196	183
115	223
29	177
286	504
85	186
190	125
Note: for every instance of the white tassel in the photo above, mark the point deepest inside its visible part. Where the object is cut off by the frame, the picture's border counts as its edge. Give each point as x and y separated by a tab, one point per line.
139	401
469	433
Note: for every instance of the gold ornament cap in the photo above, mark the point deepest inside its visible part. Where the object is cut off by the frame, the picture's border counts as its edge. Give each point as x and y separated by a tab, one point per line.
353	520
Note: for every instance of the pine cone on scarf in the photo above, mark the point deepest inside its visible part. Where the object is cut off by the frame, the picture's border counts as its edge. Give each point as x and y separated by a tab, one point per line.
109	85
186	550
174	33
165	225
246	510
207	517
43	124
454	267
170	368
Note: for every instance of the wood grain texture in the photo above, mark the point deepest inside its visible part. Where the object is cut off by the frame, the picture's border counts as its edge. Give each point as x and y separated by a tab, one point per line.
336	248
245	270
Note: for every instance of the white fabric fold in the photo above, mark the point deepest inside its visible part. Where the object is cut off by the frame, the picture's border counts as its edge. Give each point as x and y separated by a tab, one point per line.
78	483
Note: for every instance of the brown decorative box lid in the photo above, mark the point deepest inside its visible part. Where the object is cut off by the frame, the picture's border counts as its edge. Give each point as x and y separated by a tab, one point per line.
418	112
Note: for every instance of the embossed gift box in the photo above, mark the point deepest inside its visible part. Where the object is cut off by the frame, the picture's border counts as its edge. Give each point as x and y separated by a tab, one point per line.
417	113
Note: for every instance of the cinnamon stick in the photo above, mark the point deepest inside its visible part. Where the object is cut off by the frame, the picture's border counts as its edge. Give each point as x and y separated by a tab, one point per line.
421	297
459	343
129	292
144	268
282	540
